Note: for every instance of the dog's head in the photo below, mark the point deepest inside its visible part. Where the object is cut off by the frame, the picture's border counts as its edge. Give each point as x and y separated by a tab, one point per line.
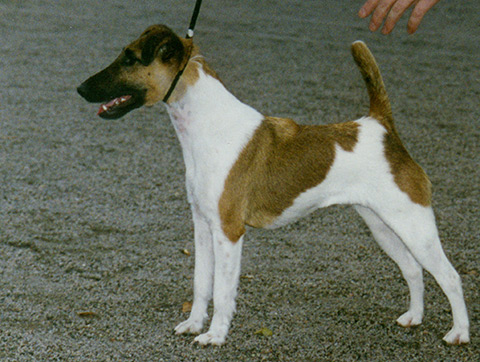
141	75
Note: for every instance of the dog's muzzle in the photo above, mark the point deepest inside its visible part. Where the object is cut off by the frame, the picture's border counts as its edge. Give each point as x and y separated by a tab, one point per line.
116	102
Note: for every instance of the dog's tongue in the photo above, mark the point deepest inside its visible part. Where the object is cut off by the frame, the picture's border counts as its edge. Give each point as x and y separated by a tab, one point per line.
113	103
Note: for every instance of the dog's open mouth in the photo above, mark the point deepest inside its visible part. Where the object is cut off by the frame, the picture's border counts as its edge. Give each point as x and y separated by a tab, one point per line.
118	106
115	106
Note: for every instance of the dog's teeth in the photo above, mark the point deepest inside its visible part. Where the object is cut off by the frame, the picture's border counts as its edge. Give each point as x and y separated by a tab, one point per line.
123	99
104	107
117	102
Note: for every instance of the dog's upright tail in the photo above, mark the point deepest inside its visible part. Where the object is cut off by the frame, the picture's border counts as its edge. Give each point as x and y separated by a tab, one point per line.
379	103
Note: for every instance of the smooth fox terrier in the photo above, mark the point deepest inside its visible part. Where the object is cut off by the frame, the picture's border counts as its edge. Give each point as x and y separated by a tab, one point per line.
244	168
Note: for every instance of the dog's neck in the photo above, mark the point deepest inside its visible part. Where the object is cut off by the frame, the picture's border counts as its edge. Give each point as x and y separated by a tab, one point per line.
213	126
203	104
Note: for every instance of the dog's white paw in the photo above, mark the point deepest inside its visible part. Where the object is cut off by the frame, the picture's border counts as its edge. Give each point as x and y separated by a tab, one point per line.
457	336
410	319
213	338
191	325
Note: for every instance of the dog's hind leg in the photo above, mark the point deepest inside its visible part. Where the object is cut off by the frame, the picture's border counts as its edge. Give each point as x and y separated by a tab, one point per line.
415	226
203	277
226	277
411	270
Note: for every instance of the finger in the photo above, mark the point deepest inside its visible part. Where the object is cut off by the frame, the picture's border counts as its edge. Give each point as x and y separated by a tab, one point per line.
367	8
418	13
379	14
395	14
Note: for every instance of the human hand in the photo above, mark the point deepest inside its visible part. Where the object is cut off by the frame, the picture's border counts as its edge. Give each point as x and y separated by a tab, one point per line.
395	10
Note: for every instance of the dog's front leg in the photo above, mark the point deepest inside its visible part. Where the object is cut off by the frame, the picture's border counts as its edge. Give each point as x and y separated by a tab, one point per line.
227	274
203	277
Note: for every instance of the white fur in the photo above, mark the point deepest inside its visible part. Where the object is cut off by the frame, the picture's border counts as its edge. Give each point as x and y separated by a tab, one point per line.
213	127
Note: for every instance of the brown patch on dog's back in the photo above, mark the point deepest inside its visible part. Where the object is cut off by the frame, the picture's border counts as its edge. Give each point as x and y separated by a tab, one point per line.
275	167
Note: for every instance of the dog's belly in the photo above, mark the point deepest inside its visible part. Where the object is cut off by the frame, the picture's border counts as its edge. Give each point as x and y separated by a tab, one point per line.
304	204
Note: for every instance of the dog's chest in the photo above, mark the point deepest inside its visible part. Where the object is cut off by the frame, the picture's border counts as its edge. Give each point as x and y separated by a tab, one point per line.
212	127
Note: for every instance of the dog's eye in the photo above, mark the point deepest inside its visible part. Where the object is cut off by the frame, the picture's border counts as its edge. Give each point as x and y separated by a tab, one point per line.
129	58
129	61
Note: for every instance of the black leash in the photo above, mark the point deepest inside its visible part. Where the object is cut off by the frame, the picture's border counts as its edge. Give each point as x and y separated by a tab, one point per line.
189	35
193	21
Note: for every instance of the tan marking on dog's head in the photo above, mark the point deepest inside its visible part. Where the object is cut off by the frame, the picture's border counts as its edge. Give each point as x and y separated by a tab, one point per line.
160	54
143	72
407	174
282	160
163	54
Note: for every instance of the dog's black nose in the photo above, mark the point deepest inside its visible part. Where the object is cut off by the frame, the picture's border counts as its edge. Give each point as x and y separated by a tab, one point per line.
83	90
89	92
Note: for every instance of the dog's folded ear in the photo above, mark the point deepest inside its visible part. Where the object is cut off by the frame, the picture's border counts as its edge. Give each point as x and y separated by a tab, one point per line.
164	45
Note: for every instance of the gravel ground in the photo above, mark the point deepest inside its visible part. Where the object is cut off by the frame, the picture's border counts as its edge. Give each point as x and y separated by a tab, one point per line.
94	217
